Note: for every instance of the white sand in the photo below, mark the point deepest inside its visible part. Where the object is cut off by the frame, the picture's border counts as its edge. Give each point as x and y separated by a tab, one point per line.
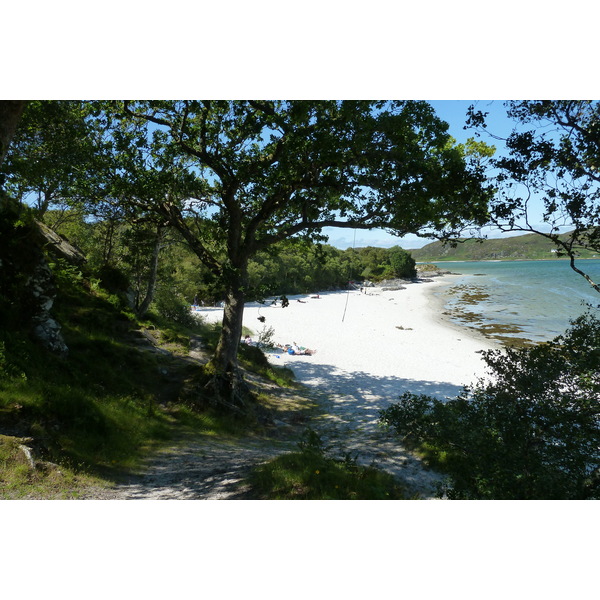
366	349
364	362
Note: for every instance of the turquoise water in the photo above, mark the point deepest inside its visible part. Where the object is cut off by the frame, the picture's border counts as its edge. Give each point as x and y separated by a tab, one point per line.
531	300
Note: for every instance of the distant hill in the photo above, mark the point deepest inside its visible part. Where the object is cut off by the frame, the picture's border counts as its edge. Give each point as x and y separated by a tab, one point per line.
530	246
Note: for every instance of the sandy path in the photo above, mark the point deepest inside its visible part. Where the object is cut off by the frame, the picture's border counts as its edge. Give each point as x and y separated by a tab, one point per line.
208	469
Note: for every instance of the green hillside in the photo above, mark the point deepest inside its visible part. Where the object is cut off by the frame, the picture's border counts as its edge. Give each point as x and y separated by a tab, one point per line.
523	247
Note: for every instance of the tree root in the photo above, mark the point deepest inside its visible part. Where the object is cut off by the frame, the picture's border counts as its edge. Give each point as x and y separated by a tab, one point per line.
229	392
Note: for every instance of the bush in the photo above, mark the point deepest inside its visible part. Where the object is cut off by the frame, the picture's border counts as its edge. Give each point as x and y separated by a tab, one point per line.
113	279
311	474
532	432
175	309
402	263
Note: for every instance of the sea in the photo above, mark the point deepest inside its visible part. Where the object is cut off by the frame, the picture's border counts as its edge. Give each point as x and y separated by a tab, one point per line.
519	302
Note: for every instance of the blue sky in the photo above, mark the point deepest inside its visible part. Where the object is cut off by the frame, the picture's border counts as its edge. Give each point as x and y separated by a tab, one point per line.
454	113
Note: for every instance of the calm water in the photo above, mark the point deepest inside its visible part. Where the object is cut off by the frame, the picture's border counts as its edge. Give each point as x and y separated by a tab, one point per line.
531	300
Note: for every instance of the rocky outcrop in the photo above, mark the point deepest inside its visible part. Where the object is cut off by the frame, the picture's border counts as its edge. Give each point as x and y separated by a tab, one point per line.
58	246
391	285
27	290
44	327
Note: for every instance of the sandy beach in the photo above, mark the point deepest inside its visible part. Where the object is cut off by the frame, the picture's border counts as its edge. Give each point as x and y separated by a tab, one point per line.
370	348
384	342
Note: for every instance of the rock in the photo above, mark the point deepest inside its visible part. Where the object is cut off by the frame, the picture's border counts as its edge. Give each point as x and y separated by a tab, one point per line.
44	327
28	453
27	278
60	247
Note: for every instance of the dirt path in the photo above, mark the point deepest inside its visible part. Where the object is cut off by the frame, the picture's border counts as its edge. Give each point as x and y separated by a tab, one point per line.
209	469
213	468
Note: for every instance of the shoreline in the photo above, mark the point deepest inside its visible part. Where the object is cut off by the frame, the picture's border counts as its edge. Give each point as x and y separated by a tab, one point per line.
501	335
371	348
386	341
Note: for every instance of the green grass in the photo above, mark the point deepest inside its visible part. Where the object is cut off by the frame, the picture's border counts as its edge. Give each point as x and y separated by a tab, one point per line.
97	412
310	474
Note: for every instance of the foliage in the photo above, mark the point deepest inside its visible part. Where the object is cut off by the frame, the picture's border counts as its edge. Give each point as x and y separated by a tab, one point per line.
236	178
101	410
530	432
55	153
173	307
258	173
19	257
293	267
90	413
529	246
385	263
312	475
553	154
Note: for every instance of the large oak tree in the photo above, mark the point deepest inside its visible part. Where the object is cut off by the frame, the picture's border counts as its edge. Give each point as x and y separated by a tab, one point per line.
260	172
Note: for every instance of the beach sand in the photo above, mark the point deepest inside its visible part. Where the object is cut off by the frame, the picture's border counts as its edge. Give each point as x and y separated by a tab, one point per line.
371	347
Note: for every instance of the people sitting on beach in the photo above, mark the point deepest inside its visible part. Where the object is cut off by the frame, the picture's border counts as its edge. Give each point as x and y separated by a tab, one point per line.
294	349
248	340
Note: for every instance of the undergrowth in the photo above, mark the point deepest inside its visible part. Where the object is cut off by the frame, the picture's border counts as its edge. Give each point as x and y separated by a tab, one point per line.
96	413
312	474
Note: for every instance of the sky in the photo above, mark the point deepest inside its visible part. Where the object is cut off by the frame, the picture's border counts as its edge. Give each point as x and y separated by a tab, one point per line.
454	112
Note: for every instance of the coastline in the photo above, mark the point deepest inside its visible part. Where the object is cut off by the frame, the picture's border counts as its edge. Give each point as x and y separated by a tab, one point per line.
371	348
385	342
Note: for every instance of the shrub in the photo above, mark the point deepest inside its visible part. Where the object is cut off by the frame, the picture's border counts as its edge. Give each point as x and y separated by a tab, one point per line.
531	432
311	474
173	308
113	279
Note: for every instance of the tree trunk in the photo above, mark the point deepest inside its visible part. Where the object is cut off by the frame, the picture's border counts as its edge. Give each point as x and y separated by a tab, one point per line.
10	113
145	305
226	354
230	389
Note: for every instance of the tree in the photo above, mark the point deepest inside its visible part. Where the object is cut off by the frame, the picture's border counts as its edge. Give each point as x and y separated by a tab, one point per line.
269	171
530	431
10	113
402	263
554	155
55	154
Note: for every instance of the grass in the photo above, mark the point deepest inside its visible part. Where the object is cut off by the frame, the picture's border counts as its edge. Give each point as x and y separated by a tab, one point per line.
310	474
97	413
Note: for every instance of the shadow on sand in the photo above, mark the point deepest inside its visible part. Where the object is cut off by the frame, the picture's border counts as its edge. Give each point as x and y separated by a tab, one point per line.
358	396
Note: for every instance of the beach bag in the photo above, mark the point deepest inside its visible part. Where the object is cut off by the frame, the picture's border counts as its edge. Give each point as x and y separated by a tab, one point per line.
290	351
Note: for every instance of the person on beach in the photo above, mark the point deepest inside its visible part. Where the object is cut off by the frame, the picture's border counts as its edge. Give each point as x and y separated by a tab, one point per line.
248	340
294	349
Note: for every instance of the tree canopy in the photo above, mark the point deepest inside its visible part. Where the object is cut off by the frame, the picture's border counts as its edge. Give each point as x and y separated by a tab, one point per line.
553	156
235	178
255	173
55	154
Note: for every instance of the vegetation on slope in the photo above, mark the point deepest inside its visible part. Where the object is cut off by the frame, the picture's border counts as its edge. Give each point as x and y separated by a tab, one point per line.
523	247
126	387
